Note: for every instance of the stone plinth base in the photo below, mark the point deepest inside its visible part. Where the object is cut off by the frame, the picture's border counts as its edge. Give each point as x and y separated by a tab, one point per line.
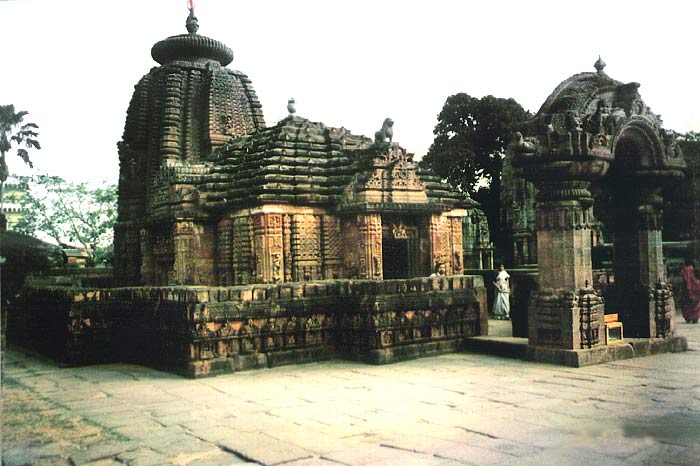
204	331
602	354
407	352
652	346
244	362
508	347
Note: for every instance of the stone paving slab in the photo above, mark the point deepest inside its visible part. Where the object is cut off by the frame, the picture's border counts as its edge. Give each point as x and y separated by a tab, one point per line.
445	410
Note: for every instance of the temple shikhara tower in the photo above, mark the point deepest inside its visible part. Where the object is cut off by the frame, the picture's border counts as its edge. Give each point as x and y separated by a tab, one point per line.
210	196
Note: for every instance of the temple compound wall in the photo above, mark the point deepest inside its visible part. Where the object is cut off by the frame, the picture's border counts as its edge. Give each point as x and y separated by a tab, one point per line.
201	331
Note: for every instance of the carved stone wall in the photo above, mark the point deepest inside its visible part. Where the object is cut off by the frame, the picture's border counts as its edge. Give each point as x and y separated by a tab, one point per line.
268	248
442	241
332	248
225	252
369	248
457	253
210	330
306	247
243	260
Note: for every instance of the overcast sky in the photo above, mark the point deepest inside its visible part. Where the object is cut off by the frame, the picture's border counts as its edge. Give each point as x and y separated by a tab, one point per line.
73	65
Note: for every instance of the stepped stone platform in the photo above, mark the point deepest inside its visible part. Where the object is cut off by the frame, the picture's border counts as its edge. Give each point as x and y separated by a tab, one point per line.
500	343
201	331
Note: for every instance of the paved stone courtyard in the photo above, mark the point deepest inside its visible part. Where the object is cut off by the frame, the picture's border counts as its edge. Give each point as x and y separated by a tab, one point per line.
446	410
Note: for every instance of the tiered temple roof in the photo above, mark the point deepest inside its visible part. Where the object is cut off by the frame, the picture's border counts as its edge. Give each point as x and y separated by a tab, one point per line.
302	162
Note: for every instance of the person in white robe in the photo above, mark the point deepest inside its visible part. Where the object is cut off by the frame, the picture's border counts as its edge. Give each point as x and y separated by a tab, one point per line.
501	305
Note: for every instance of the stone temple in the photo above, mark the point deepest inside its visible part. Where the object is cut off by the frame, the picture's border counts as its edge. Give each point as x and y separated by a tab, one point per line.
240	245
208	195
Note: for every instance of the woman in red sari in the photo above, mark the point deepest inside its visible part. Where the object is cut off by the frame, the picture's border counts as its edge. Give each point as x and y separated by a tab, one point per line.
691	291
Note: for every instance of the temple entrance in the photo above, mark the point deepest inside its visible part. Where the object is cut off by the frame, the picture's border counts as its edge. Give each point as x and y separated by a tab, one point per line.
395	258
635	224
400	248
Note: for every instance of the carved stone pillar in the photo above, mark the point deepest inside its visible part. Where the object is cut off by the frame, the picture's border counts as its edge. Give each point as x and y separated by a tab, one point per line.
439	242
268	248
306	247
370	255
456	266
287	246
183	247
204	246
242	259
563	222
638	260
332	249
565	313
224	252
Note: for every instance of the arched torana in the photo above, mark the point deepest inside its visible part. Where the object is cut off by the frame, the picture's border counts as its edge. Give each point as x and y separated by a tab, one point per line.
593	128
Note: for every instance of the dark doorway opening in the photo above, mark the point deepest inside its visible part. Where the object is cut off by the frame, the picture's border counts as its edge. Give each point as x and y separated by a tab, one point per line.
395	258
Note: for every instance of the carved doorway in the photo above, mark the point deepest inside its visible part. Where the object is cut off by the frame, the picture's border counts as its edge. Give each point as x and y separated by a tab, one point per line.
395	258
400	250
635	222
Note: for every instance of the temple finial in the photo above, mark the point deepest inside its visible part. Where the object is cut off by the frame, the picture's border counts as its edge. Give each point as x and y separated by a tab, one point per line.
192	24
290	106
599	65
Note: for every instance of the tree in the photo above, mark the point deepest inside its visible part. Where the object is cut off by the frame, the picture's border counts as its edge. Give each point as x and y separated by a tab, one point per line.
13	131
70	213
470	141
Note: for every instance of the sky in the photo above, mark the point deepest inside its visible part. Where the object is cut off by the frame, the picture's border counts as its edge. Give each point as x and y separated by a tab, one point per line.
73	64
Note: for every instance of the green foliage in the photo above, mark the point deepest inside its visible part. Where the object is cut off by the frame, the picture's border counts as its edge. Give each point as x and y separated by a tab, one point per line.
471	137
71	213
13	131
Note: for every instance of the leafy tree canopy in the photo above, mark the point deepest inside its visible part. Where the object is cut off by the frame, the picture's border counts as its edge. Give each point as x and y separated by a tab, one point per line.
70	213
470	139
12	131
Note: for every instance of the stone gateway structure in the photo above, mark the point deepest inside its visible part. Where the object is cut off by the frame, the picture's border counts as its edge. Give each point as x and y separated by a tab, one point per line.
593	129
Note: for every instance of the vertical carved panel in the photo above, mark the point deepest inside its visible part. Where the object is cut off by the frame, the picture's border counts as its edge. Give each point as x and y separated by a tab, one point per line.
228	107
370	254
332	252
439	240
456	240
275	247
268	247
203	242
306	247
224	252
287	246
183	239
351	253
242	253
172	116
140	241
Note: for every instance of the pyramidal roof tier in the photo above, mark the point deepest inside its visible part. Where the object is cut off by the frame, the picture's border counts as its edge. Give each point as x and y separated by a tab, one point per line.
307	163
